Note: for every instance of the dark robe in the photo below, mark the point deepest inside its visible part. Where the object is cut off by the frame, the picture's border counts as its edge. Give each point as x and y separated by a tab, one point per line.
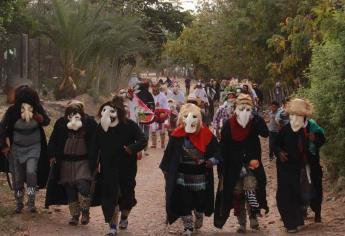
118	168
289	195
56	194
11	116
170	163
232	153
4	167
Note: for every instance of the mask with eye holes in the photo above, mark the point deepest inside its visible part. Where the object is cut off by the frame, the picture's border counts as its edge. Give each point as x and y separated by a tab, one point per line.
26	112
109	117
74	122
190	118
243	110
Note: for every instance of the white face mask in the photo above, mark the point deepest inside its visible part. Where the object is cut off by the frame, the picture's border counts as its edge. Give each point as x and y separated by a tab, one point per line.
297	122
26	112
109	118
190	123
243	114
74	122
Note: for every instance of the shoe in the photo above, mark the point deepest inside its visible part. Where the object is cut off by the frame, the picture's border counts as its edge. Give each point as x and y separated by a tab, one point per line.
187	232
254	224
19	208
292	231
85	217
31	199
19	196
112	231
74	221
123	225
199	220
241	229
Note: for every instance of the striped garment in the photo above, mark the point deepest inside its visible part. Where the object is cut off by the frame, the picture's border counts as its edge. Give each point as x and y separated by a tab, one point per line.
193	182
251	199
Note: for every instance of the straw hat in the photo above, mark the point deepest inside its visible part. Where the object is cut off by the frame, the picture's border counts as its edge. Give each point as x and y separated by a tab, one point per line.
299	107
244	99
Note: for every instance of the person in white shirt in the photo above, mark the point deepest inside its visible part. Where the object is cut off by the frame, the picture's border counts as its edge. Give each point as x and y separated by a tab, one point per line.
177	96
162	111
200	93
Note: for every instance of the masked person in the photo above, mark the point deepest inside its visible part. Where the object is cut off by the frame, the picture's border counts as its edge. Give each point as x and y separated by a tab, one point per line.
23	123
224	112
162	111
116	143
69	148
187	165
299	172
243	179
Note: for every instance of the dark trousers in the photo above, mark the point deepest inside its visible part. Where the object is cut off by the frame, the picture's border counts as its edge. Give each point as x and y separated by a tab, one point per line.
271	140
72	190
185	201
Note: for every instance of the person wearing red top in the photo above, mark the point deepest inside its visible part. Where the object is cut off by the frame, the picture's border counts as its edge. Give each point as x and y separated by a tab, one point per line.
187	166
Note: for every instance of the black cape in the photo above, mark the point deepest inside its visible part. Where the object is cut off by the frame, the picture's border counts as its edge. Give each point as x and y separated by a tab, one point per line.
118	168
289	200
11	116
232	154
56	194
169	165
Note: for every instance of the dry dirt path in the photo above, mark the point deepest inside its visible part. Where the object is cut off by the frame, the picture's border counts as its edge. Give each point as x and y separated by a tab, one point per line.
148	216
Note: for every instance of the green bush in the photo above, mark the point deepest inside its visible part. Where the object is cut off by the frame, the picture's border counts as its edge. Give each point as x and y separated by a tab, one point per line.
327	92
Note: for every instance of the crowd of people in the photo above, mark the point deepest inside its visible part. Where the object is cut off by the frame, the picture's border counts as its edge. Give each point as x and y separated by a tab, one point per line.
92	161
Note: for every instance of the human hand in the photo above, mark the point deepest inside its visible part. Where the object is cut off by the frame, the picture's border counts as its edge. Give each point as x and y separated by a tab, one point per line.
128	150
38	117
283	156
209	164
52	161
5	151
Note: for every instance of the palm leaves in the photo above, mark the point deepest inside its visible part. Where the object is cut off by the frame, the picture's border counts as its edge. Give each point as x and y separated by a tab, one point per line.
87	35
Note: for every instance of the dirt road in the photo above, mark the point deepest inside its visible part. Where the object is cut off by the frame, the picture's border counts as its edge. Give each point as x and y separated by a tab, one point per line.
148	216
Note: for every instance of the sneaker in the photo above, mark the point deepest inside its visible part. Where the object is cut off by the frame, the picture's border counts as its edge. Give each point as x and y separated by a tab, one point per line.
241	229
112	231
187	232
123	224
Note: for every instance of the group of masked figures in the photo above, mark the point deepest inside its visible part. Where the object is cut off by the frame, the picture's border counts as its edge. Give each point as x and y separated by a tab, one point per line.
88	163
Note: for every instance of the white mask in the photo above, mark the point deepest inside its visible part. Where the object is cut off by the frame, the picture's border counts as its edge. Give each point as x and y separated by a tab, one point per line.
74	122
190	123
243	114
26	112
297	122
109	118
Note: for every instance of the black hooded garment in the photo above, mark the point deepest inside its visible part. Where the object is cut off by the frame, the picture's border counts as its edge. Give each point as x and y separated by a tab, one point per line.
118	168
56	194
232	154
11	116
170	164
289	199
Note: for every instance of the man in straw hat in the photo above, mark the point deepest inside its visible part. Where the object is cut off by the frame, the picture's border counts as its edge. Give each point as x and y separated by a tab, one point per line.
298	166
242	175
69	148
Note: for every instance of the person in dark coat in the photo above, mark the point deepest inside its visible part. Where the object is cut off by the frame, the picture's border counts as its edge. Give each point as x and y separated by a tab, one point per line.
68	148
187	166
299	173
145	96
242	175
27	153
116	143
